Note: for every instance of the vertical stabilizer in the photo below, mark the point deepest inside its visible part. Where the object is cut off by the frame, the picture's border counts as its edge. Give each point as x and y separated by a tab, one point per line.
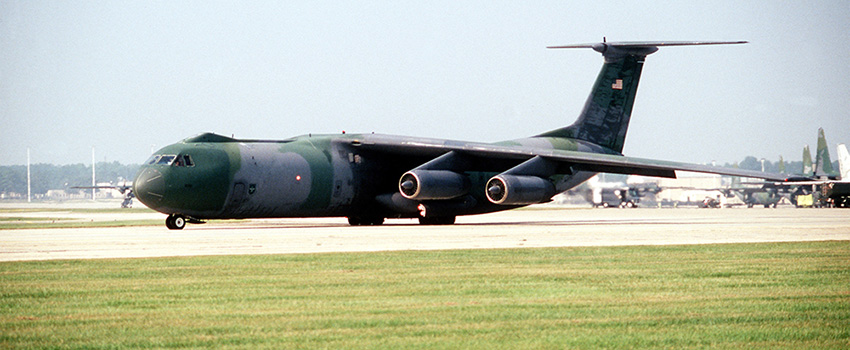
843	162
823	165
807	162
605	117
607	111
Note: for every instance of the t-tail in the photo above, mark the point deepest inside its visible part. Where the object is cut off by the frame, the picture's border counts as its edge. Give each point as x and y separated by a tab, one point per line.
808	170
605	117
822	162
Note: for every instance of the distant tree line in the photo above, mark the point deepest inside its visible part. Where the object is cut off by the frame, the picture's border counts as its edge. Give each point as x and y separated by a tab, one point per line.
44	177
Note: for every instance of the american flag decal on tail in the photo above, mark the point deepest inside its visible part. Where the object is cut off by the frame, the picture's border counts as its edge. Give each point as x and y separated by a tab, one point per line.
618	84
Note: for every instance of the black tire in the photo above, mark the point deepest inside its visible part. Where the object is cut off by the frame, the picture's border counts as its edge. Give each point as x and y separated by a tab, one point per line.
365	221
439	220
354	221
175	222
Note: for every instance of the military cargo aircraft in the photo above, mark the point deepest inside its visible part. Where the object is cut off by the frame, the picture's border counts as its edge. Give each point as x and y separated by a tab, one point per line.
619	194
370	177
769	194
825	188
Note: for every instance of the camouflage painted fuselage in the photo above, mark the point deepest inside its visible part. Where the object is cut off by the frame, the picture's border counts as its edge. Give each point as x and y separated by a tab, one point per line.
312	176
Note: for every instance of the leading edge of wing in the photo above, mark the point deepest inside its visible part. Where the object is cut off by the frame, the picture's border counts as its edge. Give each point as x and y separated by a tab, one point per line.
594	162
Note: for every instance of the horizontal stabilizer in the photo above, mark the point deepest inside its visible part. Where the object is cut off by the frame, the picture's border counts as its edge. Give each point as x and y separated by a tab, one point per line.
635	44
639	48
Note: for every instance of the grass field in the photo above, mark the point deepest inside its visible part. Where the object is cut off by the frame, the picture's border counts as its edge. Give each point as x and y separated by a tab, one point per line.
20	223
138	210
11	221
739	296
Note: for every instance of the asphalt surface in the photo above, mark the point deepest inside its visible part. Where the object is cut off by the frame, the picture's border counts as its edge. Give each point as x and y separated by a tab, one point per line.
539	227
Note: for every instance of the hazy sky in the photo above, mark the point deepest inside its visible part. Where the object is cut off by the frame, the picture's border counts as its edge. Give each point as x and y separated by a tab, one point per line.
127	76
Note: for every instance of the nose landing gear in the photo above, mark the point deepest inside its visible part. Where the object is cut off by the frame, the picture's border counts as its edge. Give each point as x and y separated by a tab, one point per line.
179	221
175	222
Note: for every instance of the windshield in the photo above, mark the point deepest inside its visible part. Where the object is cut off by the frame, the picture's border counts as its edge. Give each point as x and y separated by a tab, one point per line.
165	160
184	160
152	160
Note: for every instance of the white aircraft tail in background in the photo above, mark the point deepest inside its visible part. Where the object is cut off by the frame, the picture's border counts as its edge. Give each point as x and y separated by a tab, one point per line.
843	163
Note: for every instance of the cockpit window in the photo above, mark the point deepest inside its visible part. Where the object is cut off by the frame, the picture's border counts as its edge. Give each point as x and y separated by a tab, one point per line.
165	160
184	160
152	160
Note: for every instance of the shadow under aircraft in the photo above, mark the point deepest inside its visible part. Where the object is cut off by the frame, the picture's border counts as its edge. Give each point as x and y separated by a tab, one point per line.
370	177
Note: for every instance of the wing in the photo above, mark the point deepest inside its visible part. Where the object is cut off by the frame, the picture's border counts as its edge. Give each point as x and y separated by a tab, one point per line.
122	188
804	183
576	161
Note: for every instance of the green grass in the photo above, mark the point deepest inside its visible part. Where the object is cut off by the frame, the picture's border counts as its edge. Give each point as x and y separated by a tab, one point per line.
16	223
78	210
24	222
742	296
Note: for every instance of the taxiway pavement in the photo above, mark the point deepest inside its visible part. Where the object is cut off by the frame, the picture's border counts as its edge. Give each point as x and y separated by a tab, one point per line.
537	227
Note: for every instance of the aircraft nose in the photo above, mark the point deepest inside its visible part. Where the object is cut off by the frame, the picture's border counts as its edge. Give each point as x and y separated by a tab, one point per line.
149	187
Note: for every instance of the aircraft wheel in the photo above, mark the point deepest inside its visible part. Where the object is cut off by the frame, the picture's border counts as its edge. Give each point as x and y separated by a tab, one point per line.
439	220
358	221
175	222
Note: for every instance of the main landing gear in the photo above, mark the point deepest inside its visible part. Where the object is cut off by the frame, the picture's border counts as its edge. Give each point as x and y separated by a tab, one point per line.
438	220
365	221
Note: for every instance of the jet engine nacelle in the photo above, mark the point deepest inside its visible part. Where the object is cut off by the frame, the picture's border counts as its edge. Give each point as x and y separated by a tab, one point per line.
433	184
519	189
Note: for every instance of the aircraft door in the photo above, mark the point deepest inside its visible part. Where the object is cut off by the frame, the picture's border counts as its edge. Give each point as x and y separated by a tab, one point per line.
237	196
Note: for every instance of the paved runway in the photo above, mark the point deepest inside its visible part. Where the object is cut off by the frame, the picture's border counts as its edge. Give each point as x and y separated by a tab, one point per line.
547	227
